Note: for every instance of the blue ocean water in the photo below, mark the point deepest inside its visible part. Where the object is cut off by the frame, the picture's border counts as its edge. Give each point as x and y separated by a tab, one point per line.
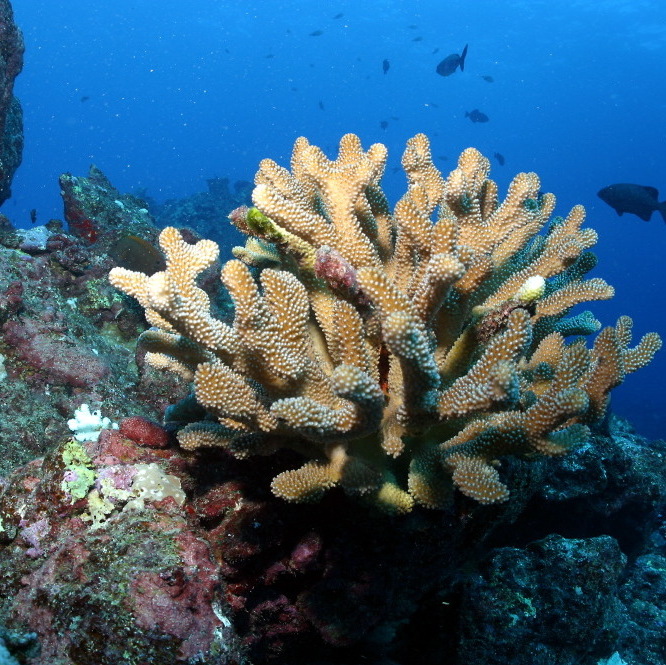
164	95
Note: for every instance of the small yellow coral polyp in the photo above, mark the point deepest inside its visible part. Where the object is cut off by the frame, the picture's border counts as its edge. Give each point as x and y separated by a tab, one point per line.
402	353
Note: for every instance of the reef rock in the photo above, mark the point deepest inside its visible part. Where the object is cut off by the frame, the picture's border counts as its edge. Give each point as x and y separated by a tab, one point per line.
11	114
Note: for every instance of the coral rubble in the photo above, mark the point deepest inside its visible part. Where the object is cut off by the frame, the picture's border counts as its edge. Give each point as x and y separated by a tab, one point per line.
401	353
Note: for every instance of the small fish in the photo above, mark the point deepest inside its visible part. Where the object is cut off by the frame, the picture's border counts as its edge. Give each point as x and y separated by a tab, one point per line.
386	65
442	157
488	79
85	98
435	50
449	65
417	39
269	56
500	158
316	33
135	253
638	200
383	124
340	15
435	106
33	215
476	116
321	105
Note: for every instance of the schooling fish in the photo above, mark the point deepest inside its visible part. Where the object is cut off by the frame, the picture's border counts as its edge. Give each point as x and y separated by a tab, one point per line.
317	33
449	65
476	116
383	124
638	200
500	158
488	79
386	65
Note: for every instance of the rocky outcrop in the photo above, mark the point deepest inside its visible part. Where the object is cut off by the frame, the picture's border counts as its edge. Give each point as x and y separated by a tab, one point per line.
11	115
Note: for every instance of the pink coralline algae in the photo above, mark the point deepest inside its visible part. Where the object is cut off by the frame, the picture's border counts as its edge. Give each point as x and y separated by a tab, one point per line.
338	273
232	576
62	338
140	587
118	477
56	355
11	299
166	581
144	432
177	600
33	535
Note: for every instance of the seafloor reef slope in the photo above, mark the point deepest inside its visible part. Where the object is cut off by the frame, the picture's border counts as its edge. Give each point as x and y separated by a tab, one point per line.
377	361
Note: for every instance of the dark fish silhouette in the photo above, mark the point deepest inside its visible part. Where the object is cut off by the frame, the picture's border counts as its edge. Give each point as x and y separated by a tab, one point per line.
500	158
340	15
321	105
316	33
488	79
85	98
638	200
451	63
476	116
383	124
386	65
135	253
417	39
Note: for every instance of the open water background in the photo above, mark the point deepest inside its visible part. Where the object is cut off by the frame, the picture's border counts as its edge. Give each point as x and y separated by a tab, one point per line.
163	95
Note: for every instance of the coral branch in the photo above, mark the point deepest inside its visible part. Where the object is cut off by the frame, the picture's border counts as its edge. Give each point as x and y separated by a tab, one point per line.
436	332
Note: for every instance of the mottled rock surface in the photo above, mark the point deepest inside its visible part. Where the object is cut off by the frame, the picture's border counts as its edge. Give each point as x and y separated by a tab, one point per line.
11	115
227	574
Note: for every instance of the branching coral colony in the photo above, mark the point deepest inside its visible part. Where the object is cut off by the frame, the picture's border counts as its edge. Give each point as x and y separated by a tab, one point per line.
401	356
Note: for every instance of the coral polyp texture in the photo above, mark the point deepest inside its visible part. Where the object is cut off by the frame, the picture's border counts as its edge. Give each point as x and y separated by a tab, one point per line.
401	353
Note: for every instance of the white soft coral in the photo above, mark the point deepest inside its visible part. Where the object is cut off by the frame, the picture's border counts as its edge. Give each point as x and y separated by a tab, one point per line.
87	426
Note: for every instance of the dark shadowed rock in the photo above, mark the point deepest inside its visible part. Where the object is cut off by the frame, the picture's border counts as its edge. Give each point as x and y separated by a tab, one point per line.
11	115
